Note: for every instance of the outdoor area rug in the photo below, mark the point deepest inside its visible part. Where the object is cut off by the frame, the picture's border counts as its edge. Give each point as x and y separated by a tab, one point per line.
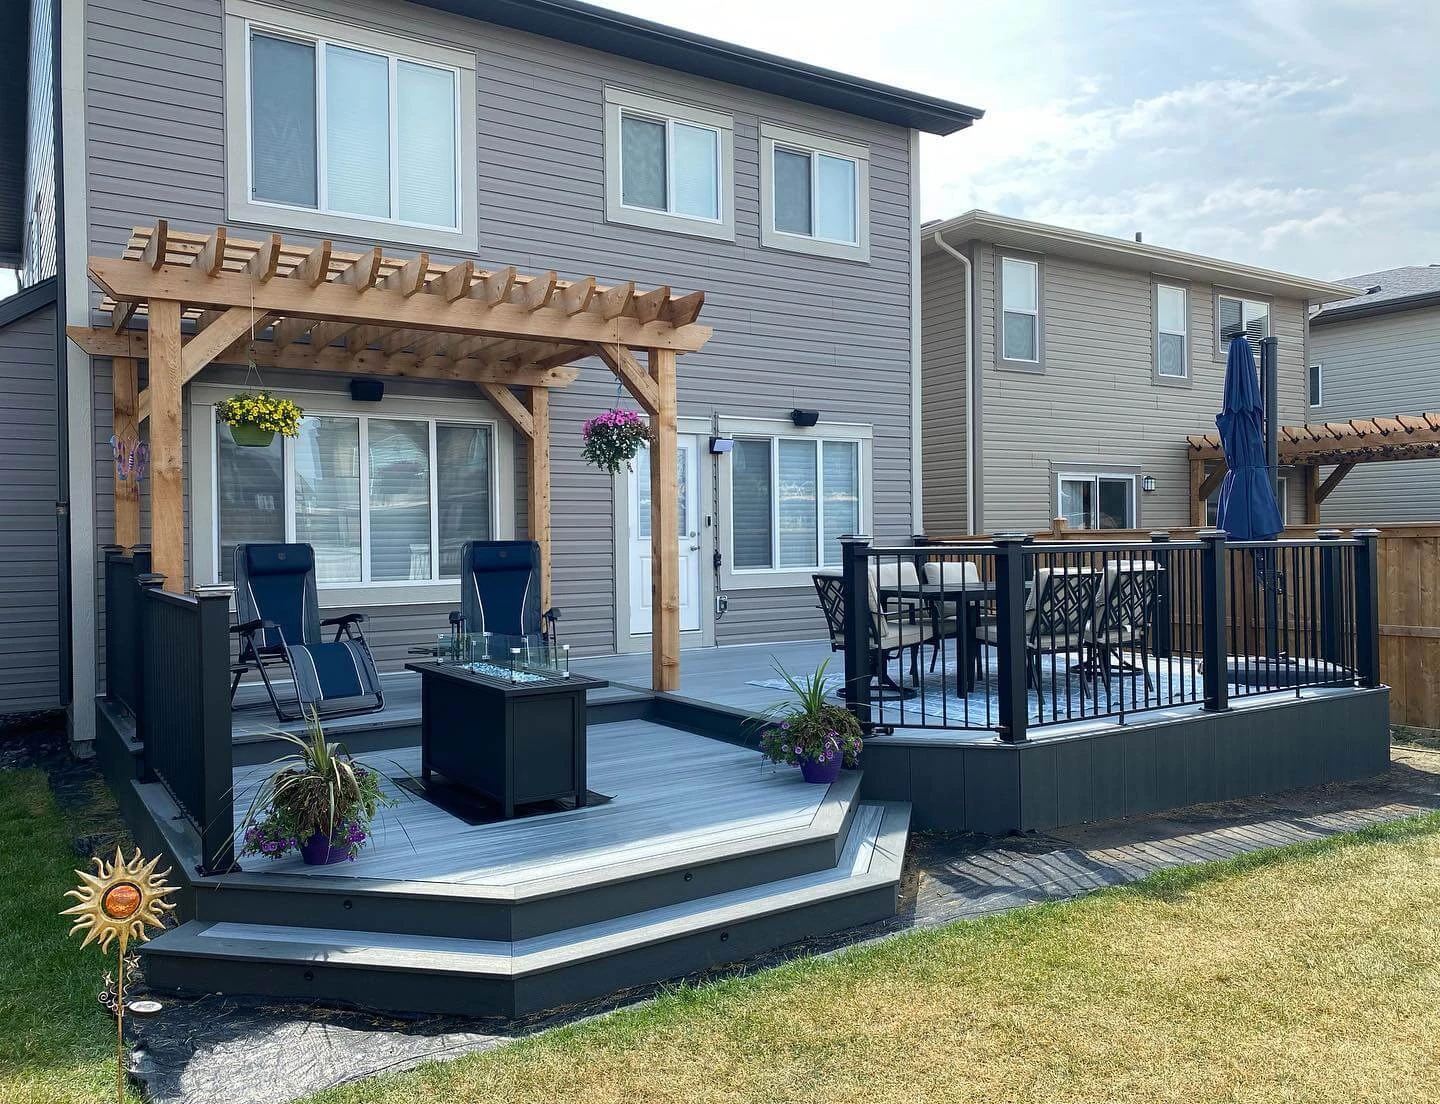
473	809
939	695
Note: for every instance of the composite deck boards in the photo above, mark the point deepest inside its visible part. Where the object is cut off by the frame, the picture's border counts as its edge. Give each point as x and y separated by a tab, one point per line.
673	791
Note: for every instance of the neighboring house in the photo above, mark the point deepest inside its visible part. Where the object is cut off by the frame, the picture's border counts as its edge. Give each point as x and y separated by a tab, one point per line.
1378	354
551	135
1064	370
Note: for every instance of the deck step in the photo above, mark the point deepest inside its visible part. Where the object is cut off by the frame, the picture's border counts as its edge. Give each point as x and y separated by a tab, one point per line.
405	972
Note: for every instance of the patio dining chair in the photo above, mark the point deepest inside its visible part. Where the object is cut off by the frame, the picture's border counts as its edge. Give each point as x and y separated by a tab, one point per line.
1124	612
1057	616
890	633
279	626
952	618
500	590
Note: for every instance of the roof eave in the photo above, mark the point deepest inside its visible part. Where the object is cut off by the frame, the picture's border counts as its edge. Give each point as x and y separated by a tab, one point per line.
1343	313
656	44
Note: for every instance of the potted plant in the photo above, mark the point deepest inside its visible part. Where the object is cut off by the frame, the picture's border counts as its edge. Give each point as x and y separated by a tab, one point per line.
319	801
613	438
254	417
810	732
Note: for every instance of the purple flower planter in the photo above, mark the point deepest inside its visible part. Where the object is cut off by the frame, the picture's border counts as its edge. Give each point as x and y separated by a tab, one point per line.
822	770
322	850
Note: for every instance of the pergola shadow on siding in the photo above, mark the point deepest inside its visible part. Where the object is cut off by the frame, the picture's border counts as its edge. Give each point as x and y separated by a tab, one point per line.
1323	444
215	299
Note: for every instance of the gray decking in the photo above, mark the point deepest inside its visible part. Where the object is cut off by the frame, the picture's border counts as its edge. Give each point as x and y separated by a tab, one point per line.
673	792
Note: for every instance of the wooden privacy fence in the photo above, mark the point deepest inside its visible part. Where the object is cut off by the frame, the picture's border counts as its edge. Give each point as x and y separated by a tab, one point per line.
1409	584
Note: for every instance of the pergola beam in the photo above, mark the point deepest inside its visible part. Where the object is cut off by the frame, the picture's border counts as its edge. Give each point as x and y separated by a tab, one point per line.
639	382
1333	480
167	502
218	336
664	533
510	406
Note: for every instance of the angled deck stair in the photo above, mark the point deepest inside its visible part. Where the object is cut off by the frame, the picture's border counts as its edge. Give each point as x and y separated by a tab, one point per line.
474	976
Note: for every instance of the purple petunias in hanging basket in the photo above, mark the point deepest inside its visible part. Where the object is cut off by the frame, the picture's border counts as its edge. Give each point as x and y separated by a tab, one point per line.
613	438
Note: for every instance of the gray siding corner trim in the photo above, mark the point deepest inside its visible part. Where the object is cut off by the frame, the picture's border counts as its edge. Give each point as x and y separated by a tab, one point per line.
1188	379
1001	360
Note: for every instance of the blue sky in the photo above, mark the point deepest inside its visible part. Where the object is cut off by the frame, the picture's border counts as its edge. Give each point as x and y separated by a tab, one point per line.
1288	134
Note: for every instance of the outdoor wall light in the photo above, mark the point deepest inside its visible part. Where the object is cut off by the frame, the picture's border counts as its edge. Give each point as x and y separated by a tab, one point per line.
804	418
1147	484
721	445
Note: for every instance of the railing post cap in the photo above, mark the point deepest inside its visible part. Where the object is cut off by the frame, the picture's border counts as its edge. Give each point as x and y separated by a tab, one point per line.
214	590
1212	534
1011	536
1327	534
1364	532
151	579
112	549
854	538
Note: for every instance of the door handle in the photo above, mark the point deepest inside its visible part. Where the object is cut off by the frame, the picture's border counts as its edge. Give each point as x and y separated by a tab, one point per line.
694	548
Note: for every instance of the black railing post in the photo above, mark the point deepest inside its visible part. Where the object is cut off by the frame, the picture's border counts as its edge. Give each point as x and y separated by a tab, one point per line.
1212	619
116	623
1332	614
855	575
145	581
1367	606
1011	685
1164	598
216	814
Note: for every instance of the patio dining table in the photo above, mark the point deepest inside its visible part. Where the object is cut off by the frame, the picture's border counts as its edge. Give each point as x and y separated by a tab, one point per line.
968	595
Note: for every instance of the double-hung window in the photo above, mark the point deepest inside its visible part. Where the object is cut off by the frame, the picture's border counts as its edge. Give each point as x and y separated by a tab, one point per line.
1021	337
1236	315
336	129
814	194
1317	384
381	499
1097	501
668	165
792	499
1172	332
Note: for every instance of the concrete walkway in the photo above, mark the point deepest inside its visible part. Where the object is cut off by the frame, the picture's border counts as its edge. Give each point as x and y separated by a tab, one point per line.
227	1051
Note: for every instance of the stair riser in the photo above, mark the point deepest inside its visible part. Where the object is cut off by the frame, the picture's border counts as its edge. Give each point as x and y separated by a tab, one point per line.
409	990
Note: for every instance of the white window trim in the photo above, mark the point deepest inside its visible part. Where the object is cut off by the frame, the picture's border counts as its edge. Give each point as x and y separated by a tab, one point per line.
1220	346
1023	364
205	483
619	101
1083	476
1317	374
1184	290
772	135
769	578
243	16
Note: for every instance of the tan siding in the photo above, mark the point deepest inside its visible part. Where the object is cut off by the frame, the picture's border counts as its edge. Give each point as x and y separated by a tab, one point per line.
943	418
1384	365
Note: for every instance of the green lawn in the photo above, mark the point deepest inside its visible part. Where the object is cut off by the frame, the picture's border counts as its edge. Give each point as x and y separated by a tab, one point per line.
1298	975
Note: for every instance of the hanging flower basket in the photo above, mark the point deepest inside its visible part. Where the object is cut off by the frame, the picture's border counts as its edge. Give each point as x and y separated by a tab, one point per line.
613	438
254	417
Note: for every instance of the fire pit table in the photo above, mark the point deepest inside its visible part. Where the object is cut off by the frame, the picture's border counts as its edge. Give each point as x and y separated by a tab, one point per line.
504	717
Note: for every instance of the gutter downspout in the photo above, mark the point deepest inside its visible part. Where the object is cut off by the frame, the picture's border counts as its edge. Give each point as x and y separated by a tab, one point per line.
62	375
971	359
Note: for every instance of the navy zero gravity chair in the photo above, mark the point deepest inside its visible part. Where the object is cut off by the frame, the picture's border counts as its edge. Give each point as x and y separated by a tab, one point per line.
500	590
278	612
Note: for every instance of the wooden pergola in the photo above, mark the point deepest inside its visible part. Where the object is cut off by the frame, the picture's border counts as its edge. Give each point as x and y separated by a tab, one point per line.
212	298
1323	444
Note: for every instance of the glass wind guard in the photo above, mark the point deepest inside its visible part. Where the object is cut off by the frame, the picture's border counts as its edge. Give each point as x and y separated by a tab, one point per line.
519	659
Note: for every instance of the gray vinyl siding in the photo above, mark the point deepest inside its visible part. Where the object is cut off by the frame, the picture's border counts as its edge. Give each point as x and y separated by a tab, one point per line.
39	228
943	407
789	329
1096	405
1381	366
29	546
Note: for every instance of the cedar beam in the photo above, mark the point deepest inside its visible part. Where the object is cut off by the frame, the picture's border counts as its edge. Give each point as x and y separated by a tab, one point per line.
126	427
1212	481
510	406
1332	481
167	503
664	532
539	512
218	336
636	380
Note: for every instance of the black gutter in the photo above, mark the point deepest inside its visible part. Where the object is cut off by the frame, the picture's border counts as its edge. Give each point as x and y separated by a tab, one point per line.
1372	310
62	386
656	44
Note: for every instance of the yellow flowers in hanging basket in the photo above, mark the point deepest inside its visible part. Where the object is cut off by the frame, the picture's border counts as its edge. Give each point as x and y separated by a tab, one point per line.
254	417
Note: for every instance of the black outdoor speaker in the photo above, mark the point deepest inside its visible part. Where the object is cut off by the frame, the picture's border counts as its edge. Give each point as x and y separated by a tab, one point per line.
367	390
804	417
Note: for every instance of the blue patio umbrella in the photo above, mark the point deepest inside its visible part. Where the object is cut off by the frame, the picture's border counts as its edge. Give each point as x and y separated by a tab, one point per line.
1248	510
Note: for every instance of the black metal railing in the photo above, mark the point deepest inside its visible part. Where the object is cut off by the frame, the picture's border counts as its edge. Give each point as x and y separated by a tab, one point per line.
168	662
1008	634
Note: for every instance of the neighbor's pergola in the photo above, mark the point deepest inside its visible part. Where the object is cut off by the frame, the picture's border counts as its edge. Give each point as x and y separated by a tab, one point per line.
319	309
1310	447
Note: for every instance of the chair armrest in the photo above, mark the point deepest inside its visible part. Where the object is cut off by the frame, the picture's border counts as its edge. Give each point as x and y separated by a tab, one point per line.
253	626
344	619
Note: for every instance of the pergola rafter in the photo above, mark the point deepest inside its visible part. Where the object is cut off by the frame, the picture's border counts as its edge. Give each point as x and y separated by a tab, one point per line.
1311	446
213	298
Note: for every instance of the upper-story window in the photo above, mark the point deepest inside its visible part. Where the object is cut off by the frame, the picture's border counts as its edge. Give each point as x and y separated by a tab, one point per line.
1317	384
1172	332
335	129
1021	343
668	166
815	194
1234	314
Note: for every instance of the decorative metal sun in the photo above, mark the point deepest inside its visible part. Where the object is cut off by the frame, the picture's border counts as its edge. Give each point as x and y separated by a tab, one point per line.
119	901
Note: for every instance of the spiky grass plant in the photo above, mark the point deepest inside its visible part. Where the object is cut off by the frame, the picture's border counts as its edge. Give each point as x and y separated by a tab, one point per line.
807	725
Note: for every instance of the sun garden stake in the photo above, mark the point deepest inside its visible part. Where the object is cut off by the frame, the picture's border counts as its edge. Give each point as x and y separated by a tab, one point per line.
117	904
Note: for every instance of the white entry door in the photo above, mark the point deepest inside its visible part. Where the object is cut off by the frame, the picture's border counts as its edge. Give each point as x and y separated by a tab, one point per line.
688	524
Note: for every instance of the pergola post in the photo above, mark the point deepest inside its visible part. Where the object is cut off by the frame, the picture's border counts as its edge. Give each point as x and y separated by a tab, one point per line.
539	515
664	530
125	397
167	502
1311	476
1197	503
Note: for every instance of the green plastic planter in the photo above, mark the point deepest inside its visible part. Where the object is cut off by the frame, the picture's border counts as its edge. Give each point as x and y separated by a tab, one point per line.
249	436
